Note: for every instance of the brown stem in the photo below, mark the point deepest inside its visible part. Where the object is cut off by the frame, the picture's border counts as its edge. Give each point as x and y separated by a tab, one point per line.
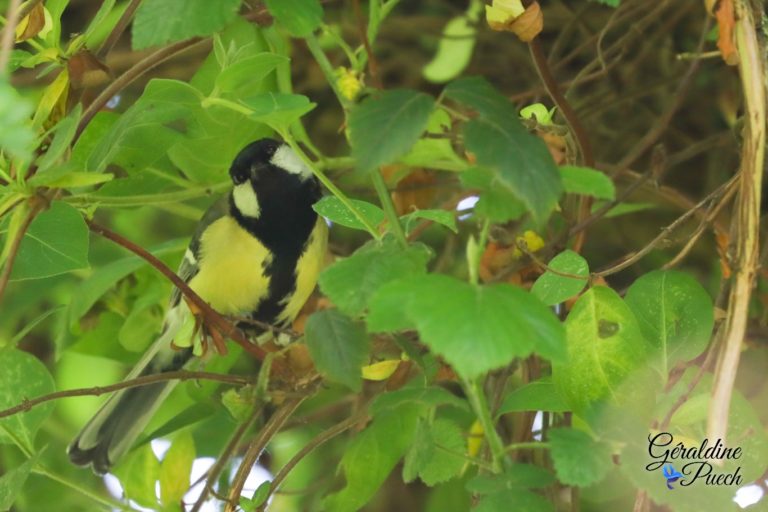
120	27
210	316
373	65
128	77
144	380
9	33
585	148
746	216
266	434
213	474
37	206
318	440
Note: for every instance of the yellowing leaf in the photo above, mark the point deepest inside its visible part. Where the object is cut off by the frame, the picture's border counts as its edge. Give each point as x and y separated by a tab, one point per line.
55	94
475	439
381	370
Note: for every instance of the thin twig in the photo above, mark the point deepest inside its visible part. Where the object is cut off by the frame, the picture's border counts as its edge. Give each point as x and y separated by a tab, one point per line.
667	230
373	65
213	473
318	440
144	380
211	316
9	33
117	32
273	426
683	398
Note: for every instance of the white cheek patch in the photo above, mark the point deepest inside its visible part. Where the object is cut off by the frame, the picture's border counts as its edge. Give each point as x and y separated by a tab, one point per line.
245	200
285	158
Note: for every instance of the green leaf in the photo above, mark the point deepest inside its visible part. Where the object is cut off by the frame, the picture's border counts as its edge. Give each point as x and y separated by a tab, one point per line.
476	329
23	377
520	161
552	288
244	73
496	203
454	50
351	282
16	135
371	456
384	127
63	135
442	217
278	110
299	17
64	177
622	208
140	136
335	211
338	345
587	182
176	468
605	345
610	3
424	397
675	314
516	476
166	21
56	242
525	501
436	454
12	482
138	474
579	459
539	395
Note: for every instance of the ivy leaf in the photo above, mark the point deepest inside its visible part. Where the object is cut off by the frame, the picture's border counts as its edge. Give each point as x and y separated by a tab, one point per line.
299	17
56	242
476	329
435	455
23	377
424	397
176	468
337	212
520	161
166	21
384	127
605	345
351	282
13	480
539	395
579	459
371	456
338	345
552	288
675	313
587	182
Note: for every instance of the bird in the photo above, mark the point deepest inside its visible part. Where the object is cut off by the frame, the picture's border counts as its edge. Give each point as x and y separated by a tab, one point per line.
256	253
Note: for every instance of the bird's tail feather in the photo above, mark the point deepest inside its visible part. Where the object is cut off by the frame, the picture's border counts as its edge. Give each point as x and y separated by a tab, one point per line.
117	424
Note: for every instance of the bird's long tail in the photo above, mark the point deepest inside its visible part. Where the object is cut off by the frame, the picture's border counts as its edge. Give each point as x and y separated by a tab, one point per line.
117	424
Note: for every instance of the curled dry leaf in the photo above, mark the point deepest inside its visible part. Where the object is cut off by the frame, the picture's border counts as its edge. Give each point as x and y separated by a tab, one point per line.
32	24
503	16
85	70
726	19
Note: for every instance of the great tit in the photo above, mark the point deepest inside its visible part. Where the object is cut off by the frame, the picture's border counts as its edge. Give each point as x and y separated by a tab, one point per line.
256	253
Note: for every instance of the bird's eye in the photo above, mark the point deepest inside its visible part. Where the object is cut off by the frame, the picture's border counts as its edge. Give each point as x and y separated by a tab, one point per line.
240	176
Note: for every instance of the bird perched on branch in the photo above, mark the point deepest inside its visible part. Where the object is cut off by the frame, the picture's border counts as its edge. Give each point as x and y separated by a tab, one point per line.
256	253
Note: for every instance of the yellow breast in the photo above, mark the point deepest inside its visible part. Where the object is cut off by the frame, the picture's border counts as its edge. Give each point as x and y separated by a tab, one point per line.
231	278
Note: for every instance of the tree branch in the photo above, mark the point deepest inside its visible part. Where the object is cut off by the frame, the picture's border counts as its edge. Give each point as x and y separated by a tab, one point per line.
210	316
9	33
144	380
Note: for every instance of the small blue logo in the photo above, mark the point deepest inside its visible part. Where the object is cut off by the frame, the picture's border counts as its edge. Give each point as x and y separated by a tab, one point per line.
672	475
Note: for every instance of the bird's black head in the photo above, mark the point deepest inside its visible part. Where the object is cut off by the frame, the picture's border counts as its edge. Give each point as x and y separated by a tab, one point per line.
274	189
252	159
